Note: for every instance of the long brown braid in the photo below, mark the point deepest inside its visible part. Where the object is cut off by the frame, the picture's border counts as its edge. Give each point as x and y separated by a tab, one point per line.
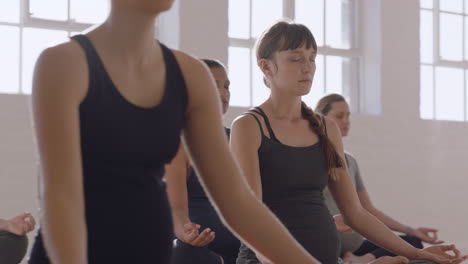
333	159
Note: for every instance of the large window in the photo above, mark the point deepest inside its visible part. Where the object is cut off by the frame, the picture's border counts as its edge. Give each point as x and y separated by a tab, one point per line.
333	23
29	26
444	59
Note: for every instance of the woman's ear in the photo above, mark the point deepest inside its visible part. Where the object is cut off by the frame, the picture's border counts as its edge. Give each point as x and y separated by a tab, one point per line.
266	67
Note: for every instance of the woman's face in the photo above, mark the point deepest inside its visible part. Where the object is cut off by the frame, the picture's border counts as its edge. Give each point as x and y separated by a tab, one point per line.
340	114
295	70
222	82
152	6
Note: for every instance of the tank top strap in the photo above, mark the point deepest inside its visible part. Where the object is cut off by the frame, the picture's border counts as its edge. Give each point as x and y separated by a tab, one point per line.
85	44
174	76
170	61
94	62
256	119
260	111
96	69
169	57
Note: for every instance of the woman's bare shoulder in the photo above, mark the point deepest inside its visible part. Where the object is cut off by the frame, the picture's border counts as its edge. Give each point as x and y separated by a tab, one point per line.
62	69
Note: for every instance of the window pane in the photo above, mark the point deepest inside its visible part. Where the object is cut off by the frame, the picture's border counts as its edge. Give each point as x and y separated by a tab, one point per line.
426	34
264	14
89	11
449	94
466	37
239	74
310	13
9	64
426	3
334	77
451	5
318	85
34	42
426	104
339	23
466	6
466	95
451	37
10	11
49	9
260	91
239	19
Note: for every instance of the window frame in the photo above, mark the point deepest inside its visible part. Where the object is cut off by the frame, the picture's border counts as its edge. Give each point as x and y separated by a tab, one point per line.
26	20
353	53
438	61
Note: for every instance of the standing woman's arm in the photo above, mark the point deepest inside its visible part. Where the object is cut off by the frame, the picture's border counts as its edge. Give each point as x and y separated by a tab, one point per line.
208	147
60	84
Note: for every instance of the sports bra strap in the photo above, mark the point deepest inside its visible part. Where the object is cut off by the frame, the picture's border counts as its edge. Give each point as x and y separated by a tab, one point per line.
260	111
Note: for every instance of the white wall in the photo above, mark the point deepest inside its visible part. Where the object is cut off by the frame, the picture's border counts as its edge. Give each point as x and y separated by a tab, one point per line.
18	180
204	25
168	26
415	170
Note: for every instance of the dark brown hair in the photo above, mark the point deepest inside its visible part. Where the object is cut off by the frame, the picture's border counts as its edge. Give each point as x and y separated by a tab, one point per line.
283	36
212	63
324	105
289	36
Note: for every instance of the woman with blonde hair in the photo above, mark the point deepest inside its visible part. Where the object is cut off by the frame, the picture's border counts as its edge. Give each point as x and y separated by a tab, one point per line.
354	248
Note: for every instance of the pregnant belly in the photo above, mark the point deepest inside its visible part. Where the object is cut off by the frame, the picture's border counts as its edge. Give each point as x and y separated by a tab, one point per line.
313	227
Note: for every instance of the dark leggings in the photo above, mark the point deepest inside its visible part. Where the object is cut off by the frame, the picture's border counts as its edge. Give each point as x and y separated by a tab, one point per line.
12	248
368	247
184	253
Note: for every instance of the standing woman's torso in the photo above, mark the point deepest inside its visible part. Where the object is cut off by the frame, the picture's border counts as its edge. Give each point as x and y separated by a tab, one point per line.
124	148
293	179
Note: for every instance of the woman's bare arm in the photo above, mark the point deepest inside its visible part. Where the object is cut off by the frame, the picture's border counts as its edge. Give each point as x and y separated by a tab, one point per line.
240	209
387	220
428	235
365	223
176	179
245	142
60	83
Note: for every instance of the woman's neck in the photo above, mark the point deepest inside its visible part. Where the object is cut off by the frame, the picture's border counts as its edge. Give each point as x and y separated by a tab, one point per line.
129	35
284	107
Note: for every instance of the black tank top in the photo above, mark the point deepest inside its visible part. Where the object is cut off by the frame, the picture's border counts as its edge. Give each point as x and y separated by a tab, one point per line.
293	179
124	149
202	212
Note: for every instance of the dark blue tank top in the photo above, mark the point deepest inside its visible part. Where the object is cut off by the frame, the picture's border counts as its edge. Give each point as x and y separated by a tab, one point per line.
124	149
